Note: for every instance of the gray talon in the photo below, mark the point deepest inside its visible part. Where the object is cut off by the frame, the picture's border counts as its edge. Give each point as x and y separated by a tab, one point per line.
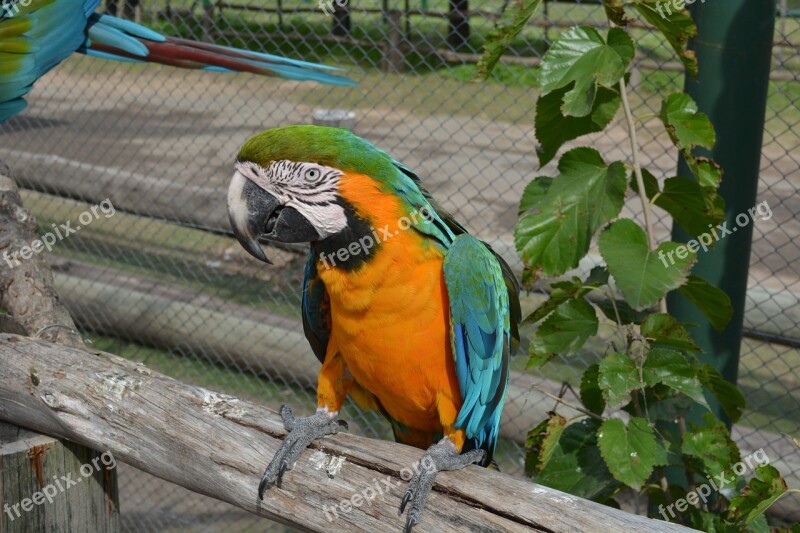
301	432
441	456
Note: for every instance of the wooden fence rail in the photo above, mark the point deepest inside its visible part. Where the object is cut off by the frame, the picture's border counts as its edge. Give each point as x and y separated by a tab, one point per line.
218	445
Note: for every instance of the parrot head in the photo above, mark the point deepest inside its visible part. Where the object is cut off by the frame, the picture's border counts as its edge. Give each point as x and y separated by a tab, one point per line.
285	187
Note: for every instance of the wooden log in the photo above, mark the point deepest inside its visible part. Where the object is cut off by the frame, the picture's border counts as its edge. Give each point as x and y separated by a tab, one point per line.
51	485
132	192
218	445
27	293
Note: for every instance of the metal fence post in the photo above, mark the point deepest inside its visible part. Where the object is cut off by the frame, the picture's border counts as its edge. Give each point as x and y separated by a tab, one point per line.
734	47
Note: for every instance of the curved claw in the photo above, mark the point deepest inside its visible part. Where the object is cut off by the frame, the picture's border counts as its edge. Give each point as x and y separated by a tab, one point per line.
441	456
301	432
404	502
262	487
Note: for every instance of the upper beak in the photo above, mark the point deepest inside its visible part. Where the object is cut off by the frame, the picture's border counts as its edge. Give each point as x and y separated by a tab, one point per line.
254	213
245	214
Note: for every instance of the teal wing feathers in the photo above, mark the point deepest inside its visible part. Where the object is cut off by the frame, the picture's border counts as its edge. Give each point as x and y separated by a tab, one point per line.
33	39
480	319
416	193
37	35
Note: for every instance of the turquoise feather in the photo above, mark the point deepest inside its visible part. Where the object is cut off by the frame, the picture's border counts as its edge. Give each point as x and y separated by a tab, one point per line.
36	37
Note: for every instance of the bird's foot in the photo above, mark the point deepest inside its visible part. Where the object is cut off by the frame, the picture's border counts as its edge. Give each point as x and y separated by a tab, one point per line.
301	432
441	456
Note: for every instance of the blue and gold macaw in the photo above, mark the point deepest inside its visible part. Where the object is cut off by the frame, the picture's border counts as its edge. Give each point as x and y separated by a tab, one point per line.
36	35
407	312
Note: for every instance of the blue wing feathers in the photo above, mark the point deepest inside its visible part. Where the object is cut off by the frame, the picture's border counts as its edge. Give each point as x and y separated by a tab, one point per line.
39	35
480	337
128	27
315	310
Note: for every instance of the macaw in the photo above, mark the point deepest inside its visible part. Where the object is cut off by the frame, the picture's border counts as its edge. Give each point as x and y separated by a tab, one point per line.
36	35
407	312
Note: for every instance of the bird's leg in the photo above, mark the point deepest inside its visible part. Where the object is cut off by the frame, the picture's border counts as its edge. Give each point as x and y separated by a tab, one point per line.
441	456
301	432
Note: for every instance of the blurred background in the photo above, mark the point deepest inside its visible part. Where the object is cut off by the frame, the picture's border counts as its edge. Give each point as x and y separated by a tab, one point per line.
163	282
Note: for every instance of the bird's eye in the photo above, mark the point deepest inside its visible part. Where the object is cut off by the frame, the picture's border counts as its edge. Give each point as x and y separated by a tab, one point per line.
312	174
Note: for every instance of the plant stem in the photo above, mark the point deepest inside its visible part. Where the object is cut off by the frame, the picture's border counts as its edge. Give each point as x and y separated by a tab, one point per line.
637	170
568	404
689	478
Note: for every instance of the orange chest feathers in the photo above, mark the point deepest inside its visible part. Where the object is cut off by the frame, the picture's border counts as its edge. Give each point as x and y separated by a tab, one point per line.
390	317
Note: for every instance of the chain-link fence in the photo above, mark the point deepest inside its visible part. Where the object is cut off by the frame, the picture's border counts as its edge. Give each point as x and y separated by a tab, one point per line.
159	279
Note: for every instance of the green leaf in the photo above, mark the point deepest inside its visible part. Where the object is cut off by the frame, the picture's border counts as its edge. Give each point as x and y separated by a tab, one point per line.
617	377
566	330
513	20
591	394
629	452
677	26
581	56
651	186
576	466
553	128
712	446
615	12
668	406
726	393
694	207
760	493
561	291
686	126
707	171
597	277
541	442
663	329
644	277
535	193
627	314
675	371
712	301
556	229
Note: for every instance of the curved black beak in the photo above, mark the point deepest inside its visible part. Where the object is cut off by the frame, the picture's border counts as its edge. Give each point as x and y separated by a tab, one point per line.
254	213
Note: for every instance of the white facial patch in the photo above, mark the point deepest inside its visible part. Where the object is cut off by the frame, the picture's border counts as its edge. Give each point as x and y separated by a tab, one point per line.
307	187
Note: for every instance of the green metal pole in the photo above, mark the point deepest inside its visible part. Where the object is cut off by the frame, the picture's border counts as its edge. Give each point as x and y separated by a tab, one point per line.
734	50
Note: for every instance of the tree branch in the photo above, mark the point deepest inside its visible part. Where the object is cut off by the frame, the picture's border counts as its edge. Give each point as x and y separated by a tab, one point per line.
218	445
